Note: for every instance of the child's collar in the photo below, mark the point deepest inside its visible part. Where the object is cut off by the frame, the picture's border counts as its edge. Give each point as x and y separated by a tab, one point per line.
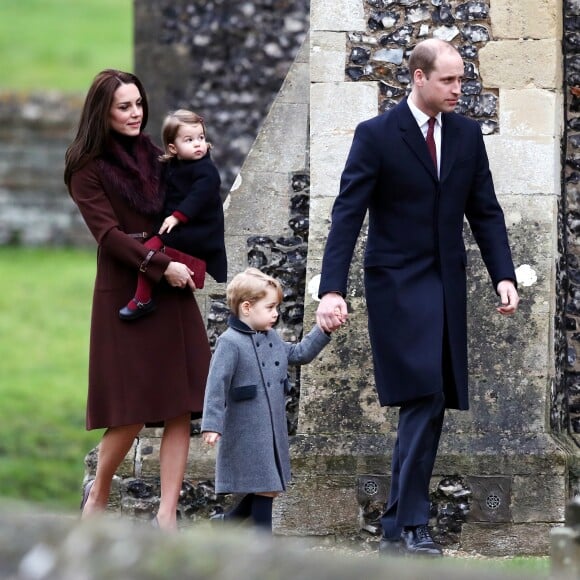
235	323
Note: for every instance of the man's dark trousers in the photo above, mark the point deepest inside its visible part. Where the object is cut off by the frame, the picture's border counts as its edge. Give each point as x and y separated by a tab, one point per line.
418	434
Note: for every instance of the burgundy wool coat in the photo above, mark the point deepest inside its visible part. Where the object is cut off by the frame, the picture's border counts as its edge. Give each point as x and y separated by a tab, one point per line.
153	368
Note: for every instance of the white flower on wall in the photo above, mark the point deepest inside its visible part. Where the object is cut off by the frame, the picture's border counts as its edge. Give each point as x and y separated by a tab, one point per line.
526	275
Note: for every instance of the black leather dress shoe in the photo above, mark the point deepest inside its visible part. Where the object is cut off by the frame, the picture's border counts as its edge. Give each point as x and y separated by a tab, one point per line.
391	547
418	540
142	309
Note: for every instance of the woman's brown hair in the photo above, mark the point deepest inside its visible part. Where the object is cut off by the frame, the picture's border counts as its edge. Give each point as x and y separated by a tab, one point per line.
93	128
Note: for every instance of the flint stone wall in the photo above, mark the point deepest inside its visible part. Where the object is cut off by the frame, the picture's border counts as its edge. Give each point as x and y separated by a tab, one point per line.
501	479
224	60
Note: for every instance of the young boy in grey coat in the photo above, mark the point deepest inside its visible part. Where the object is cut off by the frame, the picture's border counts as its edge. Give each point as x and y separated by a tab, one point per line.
244	404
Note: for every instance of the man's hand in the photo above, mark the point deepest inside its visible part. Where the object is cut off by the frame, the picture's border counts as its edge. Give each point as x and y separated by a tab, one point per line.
168	224
332	312
508	296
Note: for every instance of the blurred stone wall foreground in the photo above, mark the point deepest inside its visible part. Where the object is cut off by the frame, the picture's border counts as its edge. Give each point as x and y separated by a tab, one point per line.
36	546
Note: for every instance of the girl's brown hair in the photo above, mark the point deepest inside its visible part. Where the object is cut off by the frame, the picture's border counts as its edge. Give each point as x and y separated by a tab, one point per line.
171	124
94	126
250	285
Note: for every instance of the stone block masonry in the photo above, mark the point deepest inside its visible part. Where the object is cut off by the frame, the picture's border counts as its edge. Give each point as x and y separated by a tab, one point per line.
501	479
35	208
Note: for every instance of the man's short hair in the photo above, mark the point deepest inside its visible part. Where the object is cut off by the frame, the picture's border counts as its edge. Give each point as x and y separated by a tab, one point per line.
425	54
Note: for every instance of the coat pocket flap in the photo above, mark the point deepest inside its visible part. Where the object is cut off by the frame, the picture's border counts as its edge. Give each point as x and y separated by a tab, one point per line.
244	392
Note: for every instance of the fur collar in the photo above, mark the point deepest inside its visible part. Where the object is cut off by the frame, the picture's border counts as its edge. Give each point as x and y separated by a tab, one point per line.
130	169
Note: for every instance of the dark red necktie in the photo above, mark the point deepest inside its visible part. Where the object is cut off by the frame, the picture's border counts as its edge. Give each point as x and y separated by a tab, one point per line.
431	140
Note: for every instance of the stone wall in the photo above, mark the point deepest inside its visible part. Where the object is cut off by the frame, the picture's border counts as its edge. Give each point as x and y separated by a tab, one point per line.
567	396
501	481
226	60
500	474
35	208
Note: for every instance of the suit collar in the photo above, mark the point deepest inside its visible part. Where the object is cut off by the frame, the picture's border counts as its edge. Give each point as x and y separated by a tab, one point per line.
412	135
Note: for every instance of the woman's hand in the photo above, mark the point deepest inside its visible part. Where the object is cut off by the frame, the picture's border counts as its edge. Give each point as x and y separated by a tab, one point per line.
210	437
179	276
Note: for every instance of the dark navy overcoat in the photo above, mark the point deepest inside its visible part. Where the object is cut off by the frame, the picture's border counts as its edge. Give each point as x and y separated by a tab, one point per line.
415	254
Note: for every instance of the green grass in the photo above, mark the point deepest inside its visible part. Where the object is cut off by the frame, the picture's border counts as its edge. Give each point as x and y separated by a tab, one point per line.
44	323
62	44
537	567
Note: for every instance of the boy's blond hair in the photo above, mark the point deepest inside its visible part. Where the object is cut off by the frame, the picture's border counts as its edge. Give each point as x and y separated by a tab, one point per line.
250	285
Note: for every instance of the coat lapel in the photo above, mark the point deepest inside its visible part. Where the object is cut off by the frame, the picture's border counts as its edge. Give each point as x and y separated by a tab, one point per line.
449	145
411	134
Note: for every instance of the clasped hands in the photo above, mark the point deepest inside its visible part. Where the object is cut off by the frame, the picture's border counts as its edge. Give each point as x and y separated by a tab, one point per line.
332	312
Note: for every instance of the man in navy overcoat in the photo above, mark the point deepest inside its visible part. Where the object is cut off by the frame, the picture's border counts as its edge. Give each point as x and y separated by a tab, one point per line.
418	178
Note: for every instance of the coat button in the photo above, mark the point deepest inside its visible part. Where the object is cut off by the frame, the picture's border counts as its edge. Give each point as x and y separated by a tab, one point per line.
270	345
263	364
268	384
277	363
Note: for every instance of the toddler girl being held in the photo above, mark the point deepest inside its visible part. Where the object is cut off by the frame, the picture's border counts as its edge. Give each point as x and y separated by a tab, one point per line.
193	219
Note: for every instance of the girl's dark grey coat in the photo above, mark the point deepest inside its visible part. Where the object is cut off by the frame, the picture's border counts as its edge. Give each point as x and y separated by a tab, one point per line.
245	403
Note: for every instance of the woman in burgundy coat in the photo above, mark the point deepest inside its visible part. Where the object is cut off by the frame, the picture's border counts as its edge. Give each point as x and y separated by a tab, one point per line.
153	371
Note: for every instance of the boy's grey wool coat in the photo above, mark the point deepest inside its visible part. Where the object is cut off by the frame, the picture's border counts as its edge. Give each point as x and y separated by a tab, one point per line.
245	403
